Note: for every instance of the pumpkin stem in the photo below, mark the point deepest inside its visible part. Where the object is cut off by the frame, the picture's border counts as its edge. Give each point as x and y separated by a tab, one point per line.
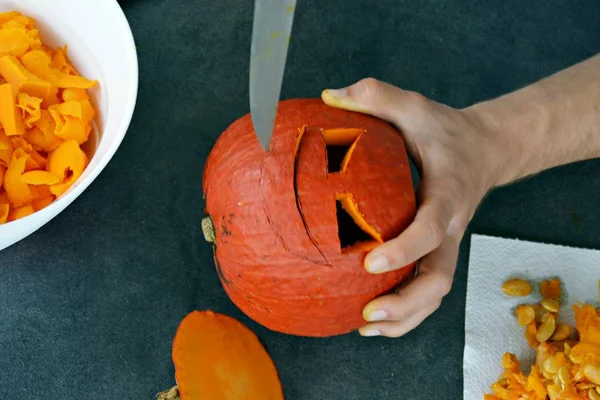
171	394
208	230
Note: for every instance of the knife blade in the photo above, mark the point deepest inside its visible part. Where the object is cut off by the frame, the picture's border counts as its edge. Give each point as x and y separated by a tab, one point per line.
271	31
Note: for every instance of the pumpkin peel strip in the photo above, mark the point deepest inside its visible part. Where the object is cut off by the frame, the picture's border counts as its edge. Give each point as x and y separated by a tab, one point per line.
285	153
302	130
4	209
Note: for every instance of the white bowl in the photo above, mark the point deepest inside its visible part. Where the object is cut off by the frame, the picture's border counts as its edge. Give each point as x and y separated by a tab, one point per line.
100	46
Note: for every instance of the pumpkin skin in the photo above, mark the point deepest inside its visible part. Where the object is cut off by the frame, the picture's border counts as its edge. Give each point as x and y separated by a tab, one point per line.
276	245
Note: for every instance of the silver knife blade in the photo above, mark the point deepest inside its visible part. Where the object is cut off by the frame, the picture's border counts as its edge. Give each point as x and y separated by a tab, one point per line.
271	31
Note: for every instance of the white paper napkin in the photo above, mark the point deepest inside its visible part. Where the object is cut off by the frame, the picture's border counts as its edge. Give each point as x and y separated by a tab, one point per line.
490	325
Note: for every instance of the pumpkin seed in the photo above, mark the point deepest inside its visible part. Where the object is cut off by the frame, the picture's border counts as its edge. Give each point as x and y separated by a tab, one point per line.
564	375
551	305
525	315
562	332
582	386
548	375
500	391
593	394
592	373
540	314
576	359
551	365
546	314
557	381
553	392
567	350
530	335
516	287
550	288
509	361
598	389
546	329
579	377
503	382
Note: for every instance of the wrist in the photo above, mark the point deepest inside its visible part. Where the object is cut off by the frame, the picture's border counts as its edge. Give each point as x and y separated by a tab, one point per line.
514	131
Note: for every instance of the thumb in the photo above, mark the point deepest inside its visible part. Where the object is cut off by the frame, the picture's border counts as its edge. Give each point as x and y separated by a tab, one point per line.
376	98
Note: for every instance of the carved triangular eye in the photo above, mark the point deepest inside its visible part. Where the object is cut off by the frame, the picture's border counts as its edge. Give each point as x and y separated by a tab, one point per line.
339	143
350	232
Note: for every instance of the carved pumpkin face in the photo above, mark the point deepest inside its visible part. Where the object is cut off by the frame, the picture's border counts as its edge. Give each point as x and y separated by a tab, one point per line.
292	226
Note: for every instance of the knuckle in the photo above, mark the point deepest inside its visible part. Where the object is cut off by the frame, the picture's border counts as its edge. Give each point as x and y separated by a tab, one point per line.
444	284
370	83
397	312
395	331
399	255
436	232
369	89
418	101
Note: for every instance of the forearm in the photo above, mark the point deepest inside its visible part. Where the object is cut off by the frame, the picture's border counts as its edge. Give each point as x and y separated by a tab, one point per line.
552	122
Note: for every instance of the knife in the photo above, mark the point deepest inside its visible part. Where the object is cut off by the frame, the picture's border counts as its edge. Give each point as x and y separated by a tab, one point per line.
271	31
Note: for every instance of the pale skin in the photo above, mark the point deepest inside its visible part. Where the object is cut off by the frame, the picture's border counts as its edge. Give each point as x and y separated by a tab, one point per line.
462	155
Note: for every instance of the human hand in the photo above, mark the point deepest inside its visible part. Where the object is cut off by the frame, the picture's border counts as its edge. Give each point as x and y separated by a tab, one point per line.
457	159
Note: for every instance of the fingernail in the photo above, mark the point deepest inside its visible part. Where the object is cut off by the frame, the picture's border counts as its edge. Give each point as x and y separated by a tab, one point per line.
370	332
339	93
377	264
377	315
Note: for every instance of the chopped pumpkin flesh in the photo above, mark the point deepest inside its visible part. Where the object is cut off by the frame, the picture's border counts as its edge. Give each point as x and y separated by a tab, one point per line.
4	209
42	202
40	178
31	108
67	161
6	149
10	116
16	39
42	142
61	63
20	212
38	62
17	191
45	117
74	94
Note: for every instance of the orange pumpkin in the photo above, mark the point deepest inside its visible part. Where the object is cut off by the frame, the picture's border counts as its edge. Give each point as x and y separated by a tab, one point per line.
292	226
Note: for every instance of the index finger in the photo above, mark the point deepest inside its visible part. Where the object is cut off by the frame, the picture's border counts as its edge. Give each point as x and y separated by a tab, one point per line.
422	236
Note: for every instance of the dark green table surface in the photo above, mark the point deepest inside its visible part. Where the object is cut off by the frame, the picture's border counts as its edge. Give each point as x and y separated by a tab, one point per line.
89	304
